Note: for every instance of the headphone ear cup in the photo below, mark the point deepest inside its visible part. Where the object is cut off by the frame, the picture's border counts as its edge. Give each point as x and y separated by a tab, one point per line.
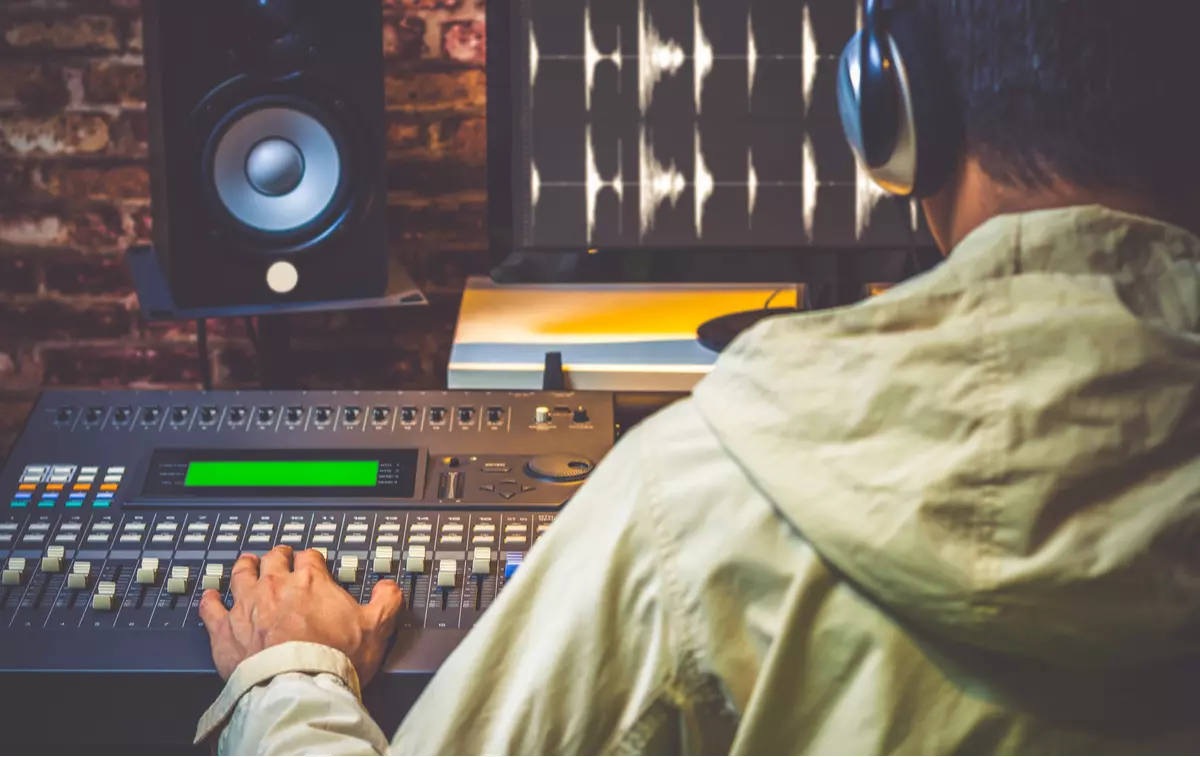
849	94
937	127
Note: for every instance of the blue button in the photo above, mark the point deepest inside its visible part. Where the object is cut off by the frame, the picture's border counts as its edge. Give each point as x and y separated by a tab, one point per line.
77	495
104	495
19	503
23	495
510	567
46	503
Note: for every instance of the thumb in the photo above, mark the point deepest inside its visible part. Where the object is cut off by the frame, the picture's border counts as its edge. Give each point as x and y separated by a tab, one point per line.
386	601
212	611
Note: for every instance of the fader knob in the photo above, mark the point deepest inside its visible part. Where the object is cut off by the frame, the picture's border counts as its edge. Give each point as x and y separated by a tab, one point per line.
53	561
14	572
416	560
65	414
266	414
105	597
324	414
384	560
446	571
208	414
180	414
381	414
94	414
541	415
181	576
294	414
408	414
351	414
237	414
150	415
347	572
214	576
581	415
81	574
481	562
121	414
147	572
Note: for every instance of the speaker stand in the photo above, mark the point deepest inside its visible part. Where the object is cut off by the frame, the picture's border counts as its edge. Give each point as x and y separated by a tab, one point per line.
156	303
275	335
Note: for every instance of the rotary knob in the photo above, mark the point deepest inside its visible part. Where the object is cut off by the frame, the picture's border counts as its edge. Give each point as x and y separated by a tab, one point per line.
560	468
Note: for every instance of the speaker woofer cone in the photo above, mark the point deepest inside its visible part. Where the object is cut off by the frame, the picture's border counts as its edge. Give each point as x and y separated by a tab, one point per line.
277	170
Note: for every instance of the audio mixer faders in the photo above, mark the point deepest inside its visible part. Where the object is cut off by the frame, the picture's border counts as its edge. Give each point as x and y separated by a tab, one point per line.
119	509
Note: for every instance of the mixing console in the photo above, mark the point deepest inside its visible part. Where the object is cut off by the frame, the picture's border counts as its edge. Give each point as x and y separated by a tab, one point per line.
119	509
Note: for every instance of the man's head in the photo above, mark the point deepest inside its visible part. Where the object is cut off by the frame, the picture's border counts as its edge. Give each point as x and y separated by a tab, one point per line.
1067	102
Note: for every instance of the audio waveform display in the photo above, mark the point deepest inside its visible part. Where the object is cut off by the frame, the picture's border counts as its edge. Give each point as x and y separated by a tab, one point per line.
732	106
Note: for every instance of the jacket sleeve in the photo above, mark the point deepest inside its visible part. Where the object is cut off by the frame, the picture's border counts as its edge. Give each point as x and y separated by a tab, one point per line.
574	657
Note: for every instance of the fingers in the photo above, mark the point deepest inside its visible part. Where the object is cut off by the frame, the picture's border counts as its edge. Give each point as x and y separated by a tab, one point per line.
244	576
212	611
386	601
277	562
311	559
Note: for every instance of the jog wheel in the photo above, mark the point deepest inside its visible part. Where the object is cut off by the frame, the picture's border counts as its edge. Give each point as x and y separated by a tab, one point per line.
561	468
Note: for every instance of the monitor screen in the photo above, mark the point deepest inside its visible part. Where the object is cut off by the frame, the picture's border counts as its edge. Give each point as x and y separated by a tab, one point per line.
685	124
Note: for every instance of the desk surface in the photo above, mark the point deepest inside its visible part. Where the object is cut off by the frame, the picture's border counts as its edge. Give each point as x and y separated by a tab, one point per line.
612	337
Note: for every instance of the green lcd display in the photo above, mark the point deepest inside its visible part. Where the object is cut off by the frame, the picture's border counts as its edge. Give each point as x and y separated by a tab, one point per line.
261	474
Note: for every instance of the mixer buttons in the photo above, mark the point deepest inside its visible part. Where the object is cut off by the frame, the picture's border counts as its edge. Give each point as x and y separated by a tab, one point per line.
122	415
138	525
180	415
389	528
351	414
291	539
171	526
53	561
230	527
147	572
381	414
213	578
323	539
180	577
357	528
208	415
542	527
482	540
259	539
105	597
484	528
199	527
295	415
14	572
81	575
408	415
419	538
323	415
347	572
416	560
452	528
266	414
237	415
421	528
384	560
293	527
324	528
355	539
151	415
259	527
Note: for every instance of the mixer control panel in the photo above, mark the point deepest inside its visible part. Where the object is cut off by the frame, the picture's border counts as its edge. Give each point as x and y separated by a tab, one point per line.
118	510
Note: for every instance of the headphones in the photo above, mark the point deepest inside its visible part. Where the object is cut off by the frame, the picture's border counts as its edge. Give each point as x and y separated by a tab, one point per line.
896	99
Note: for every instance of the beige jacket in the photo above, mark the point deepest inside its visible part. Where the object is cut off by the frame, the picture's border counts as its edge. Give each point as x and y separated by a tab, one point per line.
962	517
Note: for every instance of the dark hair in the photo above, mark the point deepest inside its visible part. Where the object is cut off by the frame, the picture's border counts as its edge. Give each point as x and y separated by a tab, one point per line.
1100	93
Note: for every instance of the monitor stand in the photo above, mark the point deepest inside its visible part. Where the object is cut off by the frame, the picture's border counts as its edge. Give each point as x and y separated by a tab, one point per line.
719	333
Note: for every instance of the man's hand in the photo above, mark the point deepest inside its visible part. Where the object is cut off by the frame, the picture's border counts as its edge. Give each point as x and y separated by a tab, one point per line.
274	603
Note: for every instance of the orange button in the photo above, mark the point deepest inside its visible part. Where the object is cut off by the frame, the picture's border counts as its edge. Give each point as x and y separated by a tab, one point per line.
82	487
54	487
108	488
27	487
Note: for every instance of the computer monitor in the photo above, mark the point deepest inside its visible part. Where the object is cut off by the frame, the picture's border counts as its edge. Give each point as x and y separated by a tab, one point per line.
682	140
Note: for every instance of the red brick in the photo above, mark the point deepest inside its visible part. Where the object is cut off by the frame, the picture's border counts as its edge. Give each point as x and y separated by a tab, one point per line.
438	91
60	319
130	135
29	230
465	42
40	89
97	228
115	83
121	365
83	183
18	275
67	134
63	33
465	140
84	274
404	39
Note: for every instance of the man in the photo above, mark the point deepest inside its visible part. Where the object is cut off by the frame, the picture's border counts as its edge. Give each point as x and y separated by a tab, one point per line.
961	517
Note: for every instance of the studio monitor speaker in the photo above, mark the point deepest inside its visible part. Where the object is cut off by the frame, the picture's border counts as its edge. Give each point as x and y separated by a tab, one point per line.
267	149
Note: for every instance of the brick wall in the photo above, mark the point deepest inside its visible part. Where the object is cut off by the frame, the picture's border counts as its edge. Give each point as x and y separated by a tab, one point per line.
74	194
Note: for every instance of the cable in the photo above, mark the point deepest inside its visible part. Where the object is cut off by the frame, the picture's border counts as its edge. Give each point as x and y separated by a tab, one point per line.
202	351
772	298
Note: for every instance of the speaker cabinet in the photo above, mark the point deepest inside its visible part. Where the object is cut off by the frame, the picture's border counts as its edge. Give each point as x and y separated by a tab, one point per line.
267	149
